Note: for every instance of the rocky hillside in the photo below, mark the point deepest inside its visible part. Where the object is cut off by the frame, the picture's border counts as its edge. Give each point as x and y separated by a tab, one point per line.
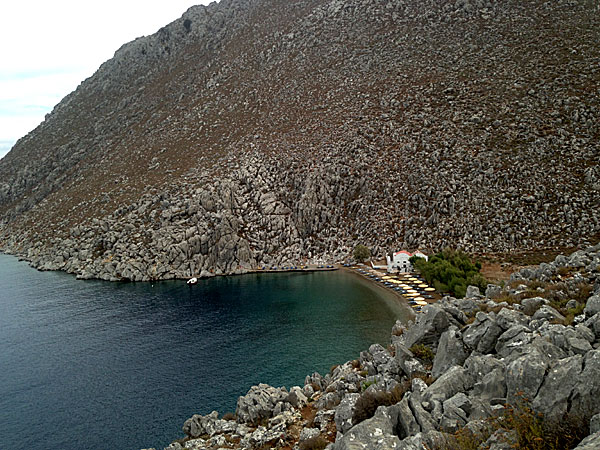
518	368
255	132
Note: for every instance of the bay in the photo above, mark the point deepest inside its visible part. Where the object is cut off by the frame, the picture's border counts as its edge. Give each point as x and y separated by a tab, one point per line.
98	365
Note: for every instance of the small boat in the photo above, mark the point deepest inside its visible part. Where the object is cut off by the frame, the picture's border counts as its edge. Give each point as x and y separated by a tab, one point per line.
192	281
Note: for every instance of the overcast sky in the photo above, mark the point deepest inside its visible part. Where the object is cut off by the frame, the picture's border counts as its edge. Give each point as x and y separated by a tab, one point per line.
48	47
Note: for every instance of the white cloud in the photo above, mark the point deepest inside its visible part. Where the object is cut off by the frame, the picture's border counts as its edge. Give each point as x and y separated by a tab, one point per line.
48	48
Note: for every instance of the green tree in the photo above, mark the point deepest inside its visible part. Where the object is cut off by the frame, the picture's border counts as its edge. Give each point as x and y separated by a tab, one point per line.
361	253
450	271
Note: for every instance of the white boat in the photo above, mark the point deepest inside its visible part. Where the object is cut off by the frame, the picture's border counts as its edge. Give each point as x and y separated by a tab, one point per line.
192	281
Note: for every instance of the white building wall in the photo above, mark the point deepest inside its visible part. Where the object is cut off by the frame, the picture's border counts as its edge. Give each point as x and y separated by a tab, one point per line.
400	261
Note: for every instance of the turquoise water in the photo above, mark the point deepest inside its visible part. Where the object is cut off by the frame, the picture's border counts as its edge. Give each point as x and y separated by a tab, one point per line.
98	365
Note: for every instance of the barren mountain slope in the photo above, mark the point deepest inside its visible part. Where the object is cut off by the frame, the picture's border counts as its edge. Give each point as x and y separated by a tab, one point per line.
265	131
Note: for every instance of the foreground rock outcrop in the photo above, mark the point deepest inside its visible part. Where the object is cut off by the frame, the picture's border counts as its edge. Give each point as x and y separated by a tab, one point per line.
269	132
464	366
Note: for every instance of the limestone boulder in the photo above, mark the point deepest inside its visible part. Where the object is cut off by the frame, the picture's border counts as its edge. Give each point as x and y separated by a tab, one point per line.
456	412
454	380
531	305
592	442
428	327
258	404
296	397
508	318
525	375
592	306
482	334
491	386
403	418
450	351
586	392
554	394
345	411
547	312
514	341
376	433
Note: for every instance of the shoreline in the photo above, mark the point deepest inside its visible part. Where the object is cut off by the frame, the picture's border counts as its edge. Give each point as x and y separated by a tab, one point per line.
309	268
396	300
459	354
435	296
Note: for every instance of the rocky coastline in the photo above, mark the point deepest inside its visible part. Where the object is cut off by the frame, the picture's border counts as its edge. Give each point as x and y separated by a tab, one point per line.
460	369
262	132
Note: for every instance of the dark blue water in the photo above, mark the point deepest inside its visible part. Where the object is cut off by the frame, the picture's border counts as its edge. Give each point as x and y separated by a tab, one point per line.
98	365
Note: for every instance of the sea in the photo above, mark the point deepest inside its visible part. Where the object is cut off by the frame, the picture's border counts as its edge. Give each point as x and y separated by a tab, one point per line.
96	365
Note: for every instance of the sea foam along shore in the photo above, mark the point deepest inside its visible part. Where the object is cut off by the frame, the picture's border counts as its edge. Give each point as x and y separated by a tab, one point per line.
459	364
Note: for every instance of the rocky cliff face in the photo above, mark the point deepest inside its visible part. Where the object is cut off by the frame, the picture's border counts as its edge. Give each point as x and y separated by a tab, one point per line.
505	369
255	132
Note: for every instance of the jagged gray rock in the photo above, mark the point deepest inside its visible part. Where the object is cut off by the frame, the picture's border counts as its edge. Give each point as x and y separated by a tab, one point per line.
450	351
595	424
551	367
402	416
587	390
592	305
555	392
258	404
482	334
428	327
548	313
344	412
592	442
375	433
296	397
531	305
234	173
454	380
525	375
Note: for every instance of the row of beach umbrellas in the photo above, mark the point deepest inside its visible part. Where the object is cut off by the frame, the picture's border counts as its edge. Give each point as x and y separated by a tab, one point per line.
408	285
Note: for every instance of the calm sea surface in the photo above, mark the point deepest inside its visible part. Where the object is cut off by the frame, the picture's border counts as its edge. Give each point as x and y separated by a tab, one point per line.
97	365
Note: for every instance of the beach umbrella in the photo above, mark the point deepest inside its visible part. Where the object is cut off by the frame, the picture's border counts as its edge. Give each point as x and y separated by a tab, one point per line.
430	289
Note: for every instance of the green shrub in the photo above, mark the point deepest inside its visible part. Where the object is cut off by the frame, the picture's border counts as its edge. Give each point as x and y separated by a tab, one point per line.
369	401
428	379
572	312
366	384
422	352
229	416
450	271
536	433
361	253
314	443
532	430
